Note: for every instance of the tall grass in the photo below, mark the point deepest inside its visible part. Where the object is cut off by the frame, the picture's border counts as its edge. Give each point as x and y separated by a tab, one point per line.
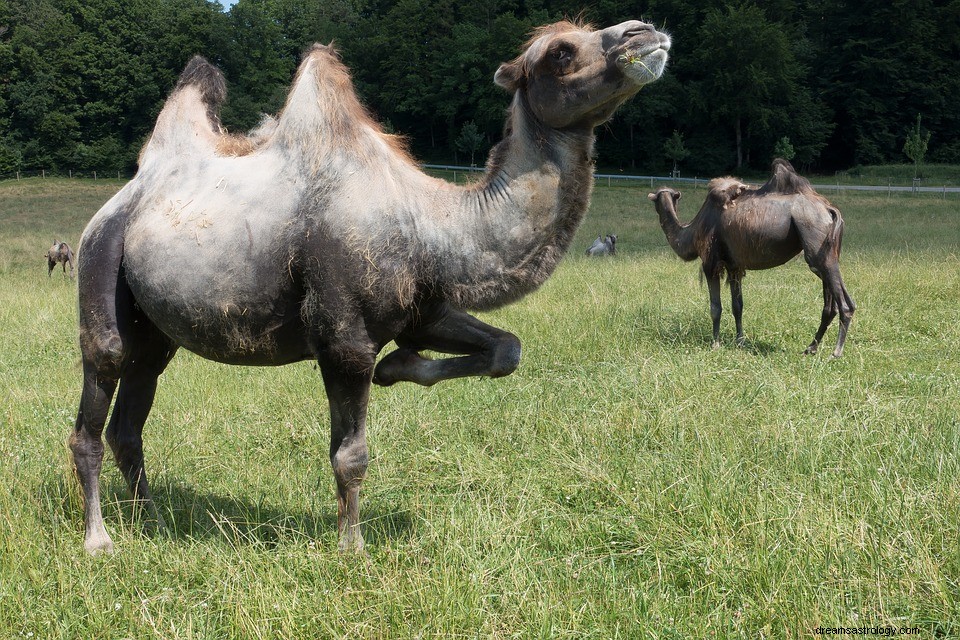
627	481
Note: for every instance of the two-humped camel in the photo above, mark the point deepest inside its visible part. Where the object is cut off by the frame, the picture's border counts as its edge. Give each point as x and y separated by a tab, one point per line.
739	229
318	238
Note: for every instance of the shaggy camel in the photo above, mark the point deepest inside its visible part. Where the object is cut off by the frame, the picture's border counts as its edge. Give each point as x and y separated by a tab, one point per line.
319	238
603	246
740	229
59	253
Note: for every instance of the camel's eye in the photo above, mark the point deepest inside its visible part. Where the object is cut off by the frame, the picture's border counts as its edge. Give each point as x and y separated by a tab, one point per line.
561	54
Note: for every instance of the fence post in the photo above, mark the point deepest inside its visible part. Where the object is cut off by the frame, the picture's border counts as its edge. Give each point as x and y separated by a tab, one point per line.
70	173
43	173
18	176
94	175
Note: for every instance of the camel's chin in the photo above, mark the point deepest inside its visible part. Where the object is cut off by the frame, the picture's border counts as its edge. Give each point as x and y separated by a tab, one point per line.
644	69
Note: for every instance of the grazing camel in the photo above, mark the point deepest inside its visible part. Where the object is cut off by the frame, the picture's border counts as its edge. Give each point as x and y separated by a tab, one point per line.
319	238
603	246
59	253
740	229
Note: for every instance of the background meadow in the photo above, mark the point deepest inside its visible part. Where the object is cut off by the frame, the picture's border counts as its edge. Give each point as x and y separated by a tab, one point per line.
627	481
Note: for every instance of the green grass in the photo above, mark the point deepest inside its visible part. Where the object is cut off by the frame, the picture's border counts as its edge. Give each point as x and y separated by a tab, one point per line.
627	481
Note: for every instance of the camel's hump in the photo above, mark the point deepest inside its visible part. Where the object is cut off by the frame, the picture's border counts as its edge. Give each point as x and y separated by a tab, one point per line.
206	78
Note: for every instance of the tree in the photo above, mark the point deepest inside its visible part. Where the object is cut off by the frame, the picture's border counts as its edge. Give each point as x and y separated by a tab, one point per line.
783	149
916	147
469	140
675	150
748	71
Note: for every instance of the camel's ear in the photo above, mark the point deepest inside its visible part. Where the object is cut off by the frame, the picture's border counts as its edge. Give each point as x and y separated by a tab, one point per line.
676	196
508	76
651	196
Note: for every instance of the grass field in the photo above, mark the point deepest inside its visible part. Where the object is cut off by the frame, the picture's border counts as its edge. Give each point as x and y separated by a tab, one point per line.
626	482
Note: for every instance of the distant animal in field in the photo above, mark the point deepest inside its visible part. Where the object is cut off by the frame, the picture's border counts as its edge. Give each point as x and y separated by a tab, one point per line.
603	246
740	228
59	253
321	239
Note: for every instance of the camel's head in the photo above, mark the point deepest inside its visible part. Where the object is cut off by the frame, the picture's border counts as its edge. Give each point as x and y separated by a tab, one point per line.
573	76
663	196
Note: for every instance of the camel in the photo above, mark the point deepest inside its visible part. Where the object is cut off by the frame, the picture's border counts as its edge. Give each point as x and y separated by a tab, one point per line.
59	253
319	238
603	246
739	228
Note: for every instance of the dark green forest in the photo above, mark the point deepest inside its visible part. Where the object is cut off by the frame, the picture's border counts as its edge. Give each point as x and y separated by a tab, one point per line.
833	83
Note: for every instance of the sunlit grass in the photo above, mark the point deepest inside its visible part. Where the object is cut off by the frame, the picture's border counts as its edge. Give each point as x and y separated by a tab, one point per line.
627	481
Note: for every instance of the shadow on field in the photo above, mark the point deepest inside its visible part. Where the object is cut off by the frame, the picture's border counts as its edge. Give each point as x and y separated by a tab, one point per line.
694	332
195	515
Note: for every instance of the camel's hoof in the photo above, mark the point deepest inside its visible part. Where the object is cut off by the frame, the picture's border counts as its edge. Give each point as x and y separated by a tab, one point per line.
351	544
98	543
716	345
741	342
389	370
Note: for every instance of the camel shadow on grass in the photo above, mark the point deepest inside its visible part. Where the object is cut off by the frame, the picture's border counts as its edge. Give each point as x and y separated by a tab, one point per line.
688	331
191	514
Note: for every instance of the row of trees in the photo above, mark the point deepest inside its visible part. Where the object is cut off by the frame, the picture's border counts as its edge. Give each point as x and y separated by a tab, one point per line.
834	82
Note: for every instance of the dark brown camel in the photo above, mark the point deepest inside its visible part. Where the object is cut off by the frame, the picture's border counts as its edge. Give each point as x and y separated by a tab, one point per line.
59	253
318	238
740	229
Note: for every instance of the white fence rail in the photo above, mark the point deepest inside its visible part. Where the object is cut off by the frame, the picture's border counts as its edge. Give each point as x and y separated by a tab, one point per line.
608	178
651	181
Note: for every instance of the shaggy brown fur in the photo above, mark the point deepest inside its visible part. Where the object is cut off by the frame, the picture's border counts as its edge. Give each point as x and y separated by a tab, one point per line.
740	228
59	253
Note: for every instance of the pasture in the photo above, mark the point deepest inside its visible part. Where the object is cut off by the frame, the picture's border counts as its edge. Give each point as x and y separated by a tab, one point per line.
627	481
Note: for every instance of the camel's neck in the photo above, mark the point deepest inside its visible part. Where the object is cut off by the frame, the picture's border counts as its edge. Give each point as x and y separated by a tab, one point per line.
680	236
521	219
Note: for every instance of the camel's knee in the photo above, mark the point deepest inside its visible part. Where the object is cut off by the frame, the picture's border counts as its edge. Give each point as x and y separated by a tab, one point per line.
350	464
505	356
103	350
715	310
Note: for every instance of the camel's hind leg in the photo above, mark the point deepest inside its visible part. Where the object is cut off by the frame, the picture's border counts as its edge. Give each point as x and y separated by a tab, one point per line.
87	448
716	307
736	305
149	353
826	317
836	301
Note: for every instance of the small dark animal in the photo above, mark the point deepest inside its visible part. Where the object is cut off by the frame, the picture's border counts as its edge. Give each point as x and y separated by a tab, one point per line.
59	253
603	246
739	228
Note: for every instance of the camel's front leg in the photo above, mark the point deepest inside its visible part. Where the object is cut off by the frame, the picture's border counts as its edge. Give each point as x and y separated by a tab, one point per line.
347	381
486	351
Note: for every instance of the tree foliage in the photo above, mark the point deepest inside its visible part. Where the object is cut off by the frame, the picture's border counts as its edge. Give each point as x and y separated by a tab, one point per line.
82	80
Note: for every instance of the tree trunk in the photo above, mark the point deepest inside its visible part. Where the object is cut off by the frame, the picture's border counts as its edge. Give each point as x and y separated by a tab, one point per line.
739	143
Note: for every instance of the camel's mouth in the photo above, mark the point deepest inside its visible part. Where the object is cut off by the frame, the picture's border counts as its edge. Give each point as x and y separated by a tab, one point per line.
644	62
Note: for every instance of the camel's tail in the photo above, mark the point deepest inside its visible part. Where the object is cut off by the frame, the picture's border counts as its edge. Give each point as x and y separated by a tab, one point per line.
836	231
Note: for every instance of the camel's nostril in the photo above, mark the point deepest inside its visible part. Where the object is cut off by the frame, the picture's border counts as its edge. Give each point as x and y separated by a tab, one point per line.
637	30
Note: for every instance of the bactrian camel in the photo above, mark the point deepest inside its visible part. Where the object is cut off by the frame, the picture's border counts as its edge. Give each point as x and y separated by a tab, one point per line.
59	253
739	228
318	238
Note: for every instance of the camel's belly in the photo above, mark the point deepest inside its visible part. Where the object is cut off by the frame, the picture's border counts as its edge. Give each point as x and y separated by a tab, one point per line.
217	281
